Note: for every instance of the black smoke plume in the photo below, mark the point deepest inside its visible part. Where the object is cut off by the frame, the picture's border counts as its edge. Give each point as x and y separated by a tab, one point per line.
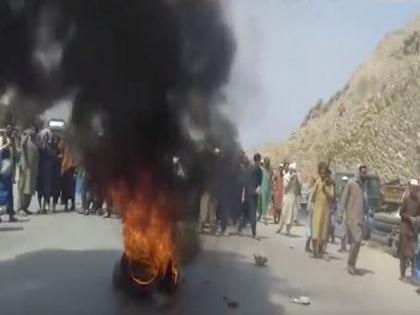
147	78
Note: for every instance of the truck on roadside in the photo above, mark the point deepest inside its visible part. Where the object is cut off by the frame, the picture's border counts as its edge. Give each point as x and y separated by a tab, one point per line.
386	222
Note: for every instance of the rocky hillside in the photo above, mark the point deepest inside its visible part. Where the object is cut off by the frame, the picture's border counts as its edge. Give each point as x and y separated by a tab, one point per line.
374	119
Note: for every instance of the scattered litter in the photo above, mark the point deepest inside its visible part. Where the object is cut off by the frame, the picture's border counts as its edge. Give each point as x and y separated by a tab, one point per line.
291	247
302	300
230	303
260	260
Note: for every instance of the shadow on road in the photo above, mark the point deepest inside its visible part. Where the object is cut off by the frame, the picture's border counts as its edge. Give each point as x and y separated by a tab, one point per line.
284	234
10	228
80	282
363	271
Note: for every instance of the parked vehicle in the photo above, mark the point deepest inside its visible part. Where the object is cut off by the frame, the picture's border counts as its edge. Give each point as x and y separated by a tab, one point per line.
392	195
386	226
386	222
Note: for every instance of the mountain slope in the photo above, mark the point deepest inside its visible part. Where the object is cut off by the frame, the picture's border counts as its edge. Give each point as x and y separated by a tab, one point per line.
374	119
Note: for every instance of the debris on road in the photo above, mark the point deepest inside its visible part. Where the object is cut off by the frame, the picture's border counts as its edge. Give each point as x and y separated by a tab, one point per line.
260	260
230	303
302	300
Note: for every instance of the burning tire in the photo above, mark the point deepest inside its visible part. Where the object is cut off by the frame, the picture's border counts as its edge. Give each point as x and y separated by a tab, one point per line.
134	278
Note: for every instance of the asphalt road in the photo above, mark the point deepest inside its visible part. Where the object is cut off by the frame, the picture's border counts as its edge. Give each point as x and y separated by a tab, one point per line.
62	264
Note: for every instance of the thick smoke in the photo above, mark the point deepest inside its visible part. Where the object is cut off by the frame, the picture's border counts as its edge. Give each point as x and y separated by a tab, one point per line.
147	78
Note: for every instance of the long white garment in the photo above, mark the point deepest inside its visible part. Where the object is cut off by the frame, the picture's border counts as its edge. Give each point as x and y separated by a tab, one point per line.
290	202
310	215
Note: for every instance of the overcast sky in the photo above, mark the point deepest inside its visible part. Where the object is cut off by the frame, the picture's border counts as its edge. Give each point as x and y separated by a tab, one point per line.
293	52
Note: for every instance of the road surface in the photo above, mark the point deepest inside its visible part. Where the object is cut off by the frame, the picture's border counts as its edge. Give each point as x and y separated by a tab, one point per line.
62	264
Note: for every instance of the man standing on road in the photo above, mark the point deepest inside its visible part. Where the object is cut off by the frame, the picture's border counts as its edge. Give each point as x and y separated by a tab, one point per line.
28	169
409	213
352	205
278	191
322	197
250	193
290	205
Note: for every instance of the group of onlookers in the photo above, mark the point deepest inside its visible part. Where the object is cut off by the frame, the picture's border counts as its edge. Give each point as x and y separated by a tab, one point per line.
258	190
343	214
43	164
331	213
343	211
241	191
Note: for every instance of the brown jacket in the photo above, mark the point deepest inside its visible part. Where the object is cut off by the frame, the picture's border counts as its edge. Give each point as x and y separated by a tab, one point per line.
352	203
408	231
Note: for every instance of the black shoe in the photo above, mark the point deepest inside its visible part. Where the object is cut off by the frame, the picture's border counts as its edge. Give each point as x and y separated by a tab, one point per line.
28	212
12	219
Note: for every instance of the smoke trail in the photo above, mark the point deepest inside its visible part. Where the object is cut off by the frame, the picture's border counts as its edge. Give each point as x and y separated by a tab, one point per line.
147	76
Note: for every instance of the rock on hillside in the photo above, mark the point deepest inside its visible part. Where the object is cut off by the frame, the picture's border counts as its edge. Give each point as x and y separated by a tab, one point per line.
374	119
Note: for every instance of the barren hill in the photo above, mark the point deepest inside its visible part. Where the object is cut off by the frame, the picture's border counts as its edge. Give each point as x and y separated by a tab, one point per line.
374	119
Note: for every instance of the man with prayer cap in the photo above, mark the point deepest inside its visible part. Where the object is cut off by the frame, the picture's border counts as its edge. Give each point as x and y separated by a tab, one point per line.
409	213
290	202
353	206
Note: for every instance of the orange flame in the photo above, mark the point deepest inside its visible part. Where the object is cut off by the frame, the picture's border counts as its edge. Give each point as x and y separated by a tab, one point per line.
147	231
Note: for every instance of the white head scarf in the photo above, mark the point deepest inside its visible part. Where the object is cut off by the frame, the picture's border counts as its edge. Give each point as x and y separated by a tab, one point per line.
414	182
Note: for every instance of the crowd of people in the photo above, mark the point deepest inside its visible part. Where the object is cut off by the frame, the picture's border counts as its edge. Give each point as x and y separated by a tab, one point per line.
262	192
41	163
332	213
